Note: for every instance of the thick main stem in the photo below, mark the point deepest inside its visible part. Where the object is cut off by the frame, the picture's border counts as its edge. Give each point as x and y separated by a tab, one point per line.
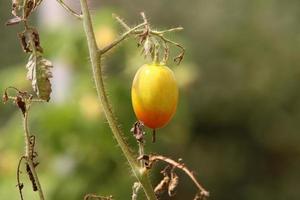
140	174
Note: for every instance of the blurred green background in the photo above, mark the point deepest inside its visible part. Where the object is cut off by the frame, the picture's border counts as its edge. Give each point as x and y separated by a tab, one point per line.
238	119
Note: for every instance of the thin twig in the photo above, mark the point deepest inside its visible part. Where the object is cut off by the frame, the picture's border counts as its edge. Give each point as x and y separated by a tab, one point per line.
32	100
145	33
122	37
166	40
121	21
69	9
28	158
97	197
153	158
20	185
168	30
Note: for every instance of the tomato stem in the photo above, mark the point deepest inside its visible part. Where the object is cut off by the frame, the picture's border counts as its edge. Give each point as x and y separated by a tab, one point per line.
153	135
95	56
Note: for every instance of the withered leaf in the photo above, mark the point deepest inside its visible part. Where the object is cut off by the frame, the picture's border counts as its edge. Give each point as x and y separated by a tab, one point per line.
30	40
138	131
162	185
21	104
36	40
39	74
31	177
13	21
24	43
173	183
5	97
16	5
28	8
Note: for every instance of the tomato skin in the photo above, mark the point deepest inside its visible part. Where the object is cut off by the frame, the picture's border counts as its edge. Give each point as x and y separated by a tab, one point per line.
154	95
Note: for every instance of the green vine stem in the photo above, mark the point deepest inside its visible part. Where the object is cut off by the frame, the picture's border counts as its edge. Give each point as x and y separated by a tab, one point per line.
95	56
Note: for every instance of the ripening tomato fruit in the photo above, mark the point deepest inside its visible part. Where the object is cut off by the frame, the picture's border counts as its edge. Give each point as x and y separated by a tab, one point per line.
154	95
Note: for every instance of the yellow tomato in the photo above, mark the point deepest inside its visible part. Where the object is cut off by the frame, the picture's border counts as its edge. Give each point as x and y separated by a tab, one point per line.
154	95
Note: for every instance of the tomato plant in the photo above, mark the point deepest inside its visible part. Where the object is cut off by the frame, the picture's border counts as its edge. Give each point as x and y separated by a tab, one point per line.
154	95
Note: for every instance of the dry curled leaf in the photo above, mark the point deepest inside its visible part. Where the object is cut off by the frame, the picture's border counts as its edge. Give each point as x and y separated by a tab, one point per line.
30	41
138	131
16	6
5	97
36	40
31	177
162	185
39	74
21	104
23	9
30	7
179	58
174	180
13	21
24	43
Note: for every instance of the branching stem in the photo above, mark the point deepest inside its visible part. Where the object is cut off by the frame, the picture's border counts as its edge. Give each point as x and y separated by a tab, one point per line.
148	32
95	57
122	37
69	9
153	158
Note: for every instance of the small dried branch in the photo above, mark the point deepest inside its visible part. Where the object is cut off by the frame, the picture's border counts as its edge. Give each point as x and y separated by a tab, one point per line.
69	9
151	159
97	197
169	30
32	100
180	56
168	183
120	39
199	197
23	100
122	22
20	185
163	184
39	76
30	155
38	67
146	38
174	180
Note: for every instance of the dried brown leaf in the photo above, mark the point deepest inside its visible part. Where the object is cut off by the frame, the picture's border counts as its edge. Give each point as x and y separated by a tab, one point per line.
39	74
173	183
21	104
138	131
5	97
13	21
162	185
